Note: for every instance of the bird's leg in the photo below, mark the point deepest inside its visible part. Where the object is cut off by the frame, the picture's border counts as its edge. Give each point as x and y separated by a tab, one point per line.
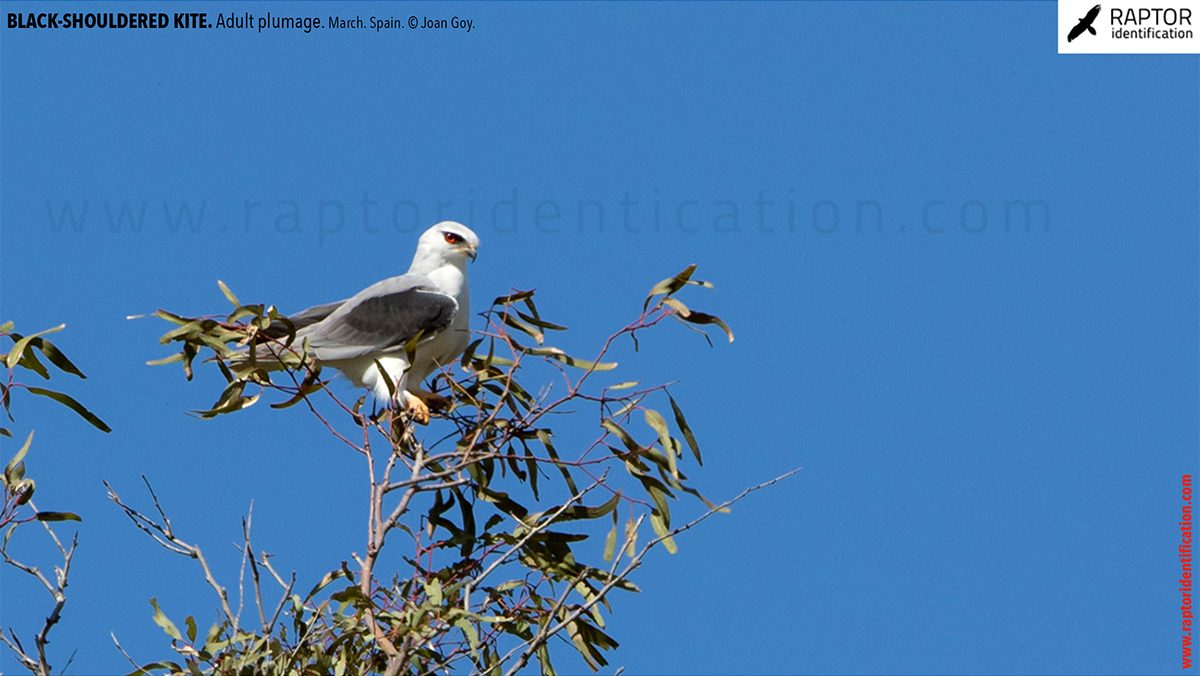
416	408
435	402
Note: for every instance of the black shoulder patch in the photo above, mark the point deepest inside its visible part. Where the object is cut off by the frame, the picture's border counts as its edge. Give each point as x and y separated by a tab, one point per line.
397	318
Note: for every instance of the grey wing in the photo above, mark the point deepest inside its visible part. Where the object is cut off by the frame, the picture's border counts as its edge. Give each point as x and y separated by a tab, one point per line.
382	322
300	320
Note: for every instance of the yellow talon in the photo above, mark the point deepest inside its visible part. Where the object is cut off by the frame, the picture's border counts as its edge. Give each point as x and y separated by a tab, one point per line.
416	408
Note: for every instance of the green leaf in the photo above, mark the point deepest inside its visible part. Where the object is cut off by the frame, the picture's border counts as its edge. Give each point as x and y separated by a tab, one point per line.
624	386
540	323
350	594
502	502
56	357
662	529
583	512
469	354
544	437
511	584
678	306
655	420
73	405
229	294
694	317
621	434
178	356
191	628
687	431
524	328
433	589
231	400
610	543
173	318
559	355
469	630
325	582
512	298
161	620
56	516
14	355
308	386
6	327
189	330
15	471
30	361
659	494
670	285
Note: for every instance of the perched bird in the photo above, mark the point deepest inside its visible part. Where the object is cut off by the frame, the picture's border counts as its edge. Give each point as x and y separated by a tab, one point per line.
430	303
1085	24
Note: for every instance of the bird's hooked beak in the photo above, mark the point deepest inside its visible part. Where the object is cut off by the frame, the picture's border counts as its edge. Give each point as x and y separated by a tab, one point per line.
471	251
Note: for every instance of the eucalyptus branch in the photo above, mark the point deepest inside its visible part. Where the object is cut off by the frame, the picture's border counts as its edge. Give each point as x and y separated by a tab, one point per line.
533	530
57	590
165	536
487	466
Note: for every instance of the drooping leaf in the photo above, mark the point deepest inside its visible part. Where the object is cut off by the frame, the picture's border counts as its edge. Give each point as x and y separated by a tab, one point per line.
694	317
56	357
559	355
661	528
583	512
659	494
544	437
655	420
70	403
161	620
610	542
469	631
687	431
540	323
524	328
621	434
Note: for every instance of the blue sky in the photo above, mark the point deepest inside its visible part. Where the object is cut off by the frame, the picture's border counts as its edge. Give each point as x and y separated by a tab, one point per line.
993	422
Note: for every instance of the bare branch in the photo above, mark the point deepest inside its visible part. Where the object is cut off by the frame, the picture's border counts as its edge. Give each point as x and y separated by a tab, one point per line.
163	534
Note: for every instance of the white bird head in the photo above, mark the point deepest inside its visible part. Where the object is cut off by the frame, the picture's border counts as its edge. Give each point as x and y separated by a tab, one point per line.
446	242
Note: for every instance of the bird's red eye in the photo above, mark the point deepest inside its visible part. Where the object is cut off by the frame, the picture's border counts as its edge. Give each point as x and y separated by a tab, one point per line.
452	238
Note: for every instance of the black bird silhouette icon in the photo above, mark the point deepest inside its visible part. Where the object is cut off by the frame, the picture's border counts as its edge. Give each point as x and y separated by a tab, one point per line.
1085	24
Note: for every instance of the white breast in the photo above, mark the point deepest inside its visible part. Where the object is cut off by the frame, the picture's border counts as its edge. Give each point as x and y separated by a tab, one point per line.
447	346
